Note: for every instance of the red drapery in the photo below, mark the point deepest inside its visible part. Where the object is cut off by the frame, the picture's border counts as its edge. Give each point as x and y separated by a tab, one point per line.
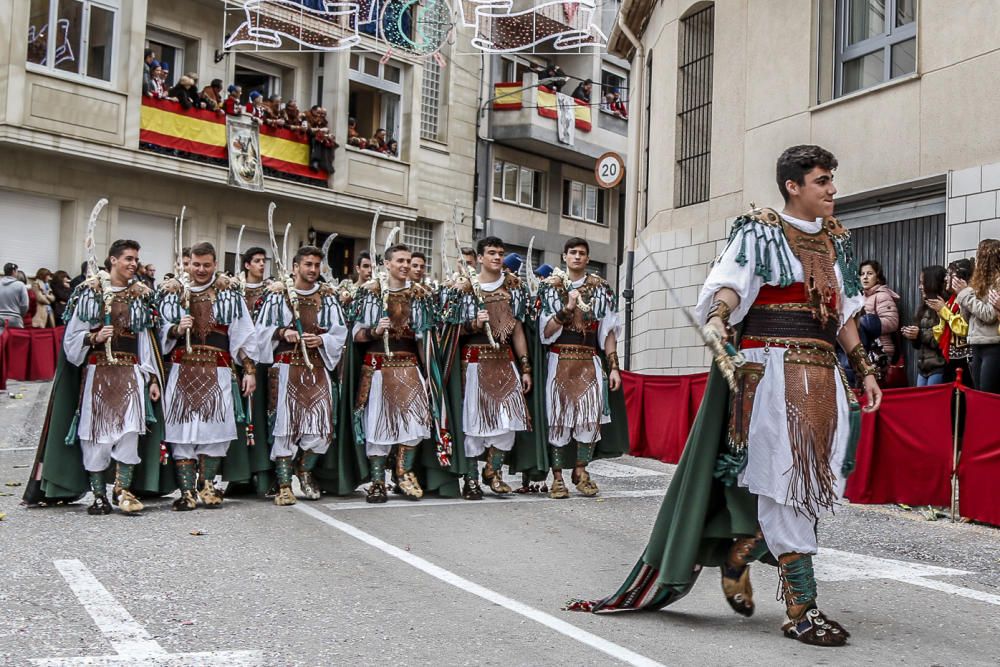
979	467
661	410
29	354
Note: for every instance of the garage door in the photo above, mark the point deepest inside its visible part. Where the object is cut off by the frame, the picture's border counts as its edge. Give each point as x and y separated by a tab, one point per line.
155	233
29	227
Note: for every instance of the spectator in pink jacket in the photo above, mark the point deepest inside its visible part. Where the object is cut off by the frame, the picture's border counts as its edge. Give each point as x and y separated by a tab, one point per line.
880	301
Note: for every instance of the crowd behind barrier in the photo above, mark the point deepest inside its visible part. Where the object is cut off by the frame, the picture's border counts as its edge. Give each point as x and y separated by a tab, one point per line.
905	454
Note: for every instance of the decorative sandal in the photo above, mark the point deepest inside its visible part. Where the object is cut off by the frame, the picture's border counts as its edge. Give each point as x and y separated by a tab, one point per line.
584	484
559	489
376	493
471	490
738	591
814	629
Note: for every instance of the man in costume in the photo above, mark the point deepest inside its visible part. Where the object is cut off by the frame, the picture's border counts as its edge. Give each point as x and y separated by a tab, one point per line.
755	489
418	267
579	321
491	307
202	398
108	324
301	331
254	262
392	407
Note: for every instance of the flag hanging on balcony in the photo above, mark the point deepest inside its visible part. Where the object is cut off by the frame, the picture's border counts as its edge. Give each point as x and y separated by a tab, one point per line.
243	148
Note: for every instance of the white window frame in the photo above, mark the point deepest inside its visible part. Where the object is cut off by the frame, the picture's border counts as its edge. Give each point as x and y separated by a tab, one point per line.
583	191
114	6
523	174
431	98
394	126
418	235
622	74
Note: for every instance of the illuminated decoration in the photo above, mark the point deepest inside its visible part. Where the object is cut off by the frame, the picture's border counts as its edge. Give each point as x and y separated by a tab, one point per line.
419	28
502	29
38	44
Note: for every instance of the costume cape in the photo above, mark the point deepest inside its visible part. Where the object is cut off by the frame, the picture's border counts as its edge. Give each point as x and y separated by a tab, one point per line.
249	468
58	473
699	518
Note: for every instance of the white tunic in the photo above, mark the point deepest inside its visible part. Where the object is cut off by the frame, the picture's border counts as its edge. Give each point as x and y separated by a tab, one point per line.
333	346
242	343
769	463
77	352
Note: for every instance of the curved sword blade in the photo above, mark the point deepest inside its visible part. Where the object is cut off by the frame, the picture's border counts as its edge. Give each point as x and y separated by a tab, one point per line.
90	243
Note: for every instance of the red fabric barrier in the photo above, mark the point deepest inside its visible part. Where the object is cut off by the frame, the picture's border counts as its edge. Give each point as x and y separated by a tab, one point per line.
3	362
979	466
905	452
661	409
30	354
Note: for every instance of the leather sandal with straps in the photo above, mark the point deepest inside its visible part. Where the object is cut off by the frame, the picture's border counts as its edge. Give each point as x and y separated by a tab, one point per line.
584	484
558	490
815	629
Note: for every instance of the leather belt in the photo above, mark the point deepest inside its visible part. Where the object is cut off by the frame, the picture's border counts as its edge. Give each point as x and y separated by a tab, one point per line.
471	354
121	359
201	355
579	352
379	360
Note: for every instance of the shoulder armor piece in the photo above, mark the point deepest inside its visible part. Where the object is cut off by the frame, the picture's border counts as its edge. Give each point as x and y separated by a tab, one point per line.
172	286
276	287
766	216
327	289
222	282
138	291
834	228
512	282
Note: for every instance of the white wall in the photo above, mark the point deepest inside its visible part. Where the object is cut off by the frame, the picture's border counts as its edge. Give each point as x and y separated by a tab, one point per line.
29	227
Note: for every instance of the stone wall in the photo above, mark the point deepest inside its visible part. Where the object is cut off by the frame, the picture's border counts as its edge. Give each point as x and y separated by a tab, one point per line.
973	209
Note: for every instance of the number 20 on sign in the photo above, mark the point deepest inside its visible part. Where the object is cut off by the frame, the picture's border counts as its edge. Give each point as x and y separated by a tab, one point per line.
609	170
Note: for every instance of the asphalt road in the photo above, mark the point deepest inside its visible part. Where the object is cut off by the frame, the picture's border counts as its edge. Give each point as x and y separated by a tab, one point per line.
339	582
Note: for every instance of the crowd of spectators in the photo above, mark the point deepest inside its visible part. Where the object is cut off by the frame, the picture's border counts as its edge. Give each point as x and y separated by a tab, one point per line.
271	112
610	100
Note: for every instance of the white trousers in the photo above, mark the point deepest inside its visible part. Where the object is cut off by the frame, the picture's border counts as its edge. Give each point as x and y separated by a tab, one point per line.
378	449
584	435
186	451
97	455
785	530
283	445
475	445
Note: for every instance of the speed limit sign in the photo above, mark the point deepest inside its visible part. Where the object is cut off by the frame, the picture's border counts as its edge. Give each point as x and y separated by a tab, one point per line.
609	170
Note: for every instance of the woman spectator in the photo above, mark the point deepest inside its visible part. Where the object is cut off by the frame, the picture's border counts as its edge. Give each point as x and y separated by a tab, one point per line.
984	339
353	138
954	326
272	112
392	148
255	108
294	119
931	362
880	305
211	95
186	93
233	106
44	298
322	143
61	291
29	315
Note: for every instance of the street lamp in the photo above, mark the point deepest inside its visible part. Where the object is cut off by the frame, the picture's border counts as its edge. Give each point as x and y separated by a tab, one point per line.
479	116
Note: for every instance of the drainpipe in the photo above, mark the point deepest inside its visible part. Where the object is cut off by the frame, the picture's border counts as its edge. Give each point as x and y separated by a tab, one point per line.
633	222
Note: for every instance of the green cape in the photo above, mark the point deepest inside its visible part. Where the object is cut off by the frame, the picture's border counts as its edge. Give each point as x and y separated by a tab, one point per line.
344	467
58	474
249	468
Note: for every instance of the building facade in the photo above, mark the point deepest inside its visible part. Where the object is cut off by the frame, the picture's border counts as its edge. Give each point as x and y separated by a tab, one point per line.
75	126
533	180
720	89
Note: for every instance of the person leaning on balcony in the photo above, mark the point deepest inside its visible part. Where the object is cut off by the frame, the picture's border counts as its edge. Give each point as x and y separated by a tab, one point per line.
322	142
582	91
147	73
353	138
977	301
211	95
255	108
13	299
186	93
233	106
272	112
377	142
294	119
44	298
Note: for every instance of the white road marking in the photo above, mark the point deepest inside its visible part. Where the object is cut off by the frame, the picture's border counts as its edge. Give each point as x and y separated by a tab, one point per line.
402	503
834	565
18	449
129	639
562	627
606	468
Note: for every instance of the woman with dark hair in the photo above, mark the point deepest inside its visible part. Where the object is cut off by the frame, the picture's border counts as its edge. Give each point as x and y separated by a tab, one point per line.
44	298
931	362
881	318
984	339
61	292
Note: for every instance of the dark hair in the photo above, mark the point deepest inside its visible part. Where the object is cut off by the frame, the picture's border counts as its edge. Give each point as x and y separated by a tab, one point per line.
42	274
876	267
121	245
203	248
488	242
418	255
466	250
575	242
934	286
307	251
216	83
147	53
10	268
797	161
186	251
962	268
399	247
362	256
352	121
250	253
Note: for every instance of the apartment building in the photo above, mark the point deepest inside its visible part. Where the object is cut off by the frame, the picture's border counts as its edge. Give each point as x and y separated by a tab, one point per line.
75	126
903	92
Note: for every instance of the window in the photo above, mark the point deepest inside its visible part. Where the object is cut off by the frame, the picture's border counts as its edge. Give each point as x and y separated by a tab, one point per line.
513	68
169	49
430	102
252	74
375	96
694	107
518	185
876	41
419	235
583	201
611	81
76	37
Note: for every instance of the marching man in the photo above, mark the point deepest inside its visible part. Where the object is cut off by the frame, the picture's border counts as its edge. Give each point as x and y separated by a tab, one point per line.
301	390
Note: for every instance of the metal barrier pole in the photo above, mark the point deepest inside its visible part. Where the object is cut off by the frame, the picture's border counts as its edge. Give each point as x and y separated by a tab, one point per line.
954	451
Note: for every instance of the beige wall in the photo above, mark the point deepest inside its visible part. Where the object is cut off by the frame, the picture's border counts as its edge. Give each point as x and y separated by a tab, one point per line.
942	118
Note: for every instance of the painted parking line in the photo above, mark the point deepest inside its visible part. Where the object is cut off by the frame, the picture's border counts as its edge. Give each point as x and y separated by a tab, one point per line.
489	500
132	644
609	648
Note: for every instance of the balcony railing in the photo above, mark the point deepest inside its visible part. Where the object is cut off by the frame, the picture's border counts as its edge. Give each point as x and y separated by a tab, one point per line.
545	100
166	127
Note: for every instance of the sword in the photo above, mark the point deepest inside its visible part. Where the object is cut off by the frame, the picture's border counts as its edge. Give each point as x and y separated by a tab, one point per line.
477	291
99	274
183	276
529	270
240	273
726	356
326	271
286	277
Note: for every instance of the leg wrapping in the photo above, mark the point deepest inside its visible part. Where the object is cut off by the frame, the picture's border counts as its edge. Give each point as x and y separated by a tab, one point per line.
283	470
584	453
185	469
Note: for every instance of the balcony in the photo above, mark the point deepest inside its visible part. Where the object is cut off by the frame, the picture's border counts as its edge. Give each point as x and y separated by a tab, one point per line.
528	120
